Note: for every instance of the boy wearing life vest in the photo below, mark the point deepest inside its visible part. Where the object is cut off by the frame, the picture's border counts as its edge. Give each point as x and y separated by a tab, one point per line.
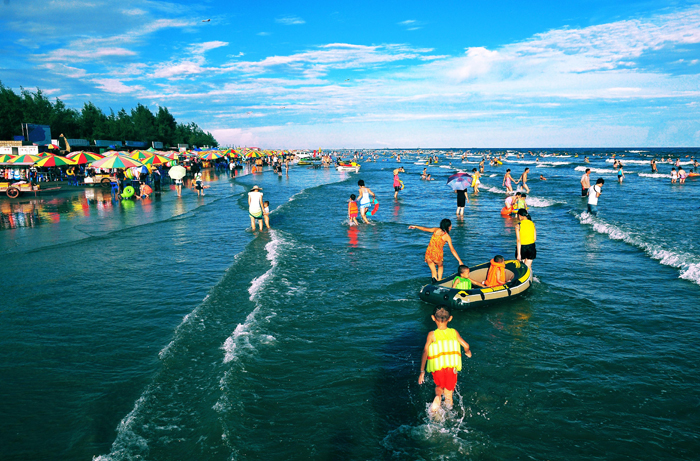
463	281
352	210
496	275
443	357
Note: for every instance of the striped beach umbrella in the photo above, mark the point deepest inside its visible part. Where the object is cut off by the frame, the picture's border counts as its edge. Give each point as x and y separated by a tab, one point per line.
82	158
252	154
140	155
156	160
6	158
211	155
26	158
116	161
55	160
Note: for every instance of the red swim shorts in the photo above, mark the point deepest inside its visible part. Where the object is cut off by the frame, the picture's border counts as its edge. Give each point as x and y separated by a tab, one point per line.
445	378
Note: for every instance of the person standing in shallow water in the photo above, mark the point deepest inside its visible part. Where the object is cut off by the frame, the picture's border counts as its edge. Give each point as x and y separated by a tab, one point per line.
397	181
255	207
525	238
364	199
434	254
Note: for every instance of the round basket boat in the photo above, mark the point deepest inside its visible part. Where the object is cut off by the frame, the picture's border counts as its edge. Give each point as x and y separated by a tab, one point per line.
442	293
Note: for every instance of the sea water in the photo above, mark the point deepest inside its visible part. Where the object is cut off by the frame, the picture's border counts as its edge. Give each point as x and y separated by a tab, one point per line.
164	329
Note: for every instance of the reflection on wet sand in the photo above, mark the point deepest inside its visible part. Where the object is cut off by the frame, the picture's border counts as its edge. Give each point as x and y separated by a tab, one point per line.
35	211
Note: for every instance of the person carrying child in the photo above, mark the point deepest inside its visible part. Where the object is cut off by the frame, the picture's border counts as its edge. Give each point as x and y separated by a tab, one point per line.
266	213
198	183
463	281
352	210
442	357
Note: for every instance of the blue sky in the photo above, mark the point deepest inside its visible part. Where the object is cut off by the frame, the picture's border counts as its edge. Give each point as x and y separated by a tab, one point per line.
374	74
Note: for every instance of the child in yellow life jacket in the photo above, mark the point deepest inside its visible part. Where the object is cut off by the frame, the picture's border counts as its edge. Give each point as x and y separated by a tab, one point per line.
443	357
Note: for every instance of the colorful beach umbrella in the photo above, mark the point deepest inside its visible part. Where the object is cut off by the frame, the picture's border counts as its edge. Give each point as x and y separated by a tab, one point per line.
156	160
140	155
26	158
6	158
459	181
112	152
55	160
116	161
252	154
211	155
82	158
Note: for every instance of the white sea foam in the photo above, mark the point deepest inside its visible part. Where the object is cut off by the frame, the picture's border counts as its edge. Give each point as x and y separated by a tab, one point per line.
128	444
688	264
536	202
495	190
637	151
240	337
241	334
597	170
648	162
655	175
554	163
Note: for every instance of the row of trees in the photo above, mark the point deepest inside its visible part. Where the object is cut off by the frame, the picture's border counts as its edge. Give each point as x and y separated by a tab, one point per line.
92	123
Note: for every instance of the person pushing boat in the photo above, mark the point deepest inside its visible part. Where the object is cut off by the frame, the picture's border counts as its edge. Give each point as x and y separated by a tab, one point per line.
434	253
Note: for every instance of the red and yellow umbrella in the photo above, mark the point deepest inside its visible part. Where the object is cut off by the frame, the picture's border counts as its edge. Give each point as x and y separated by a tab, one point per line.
6	158
156	160
26	158
140	155
82	158
252	154
55	160
116	161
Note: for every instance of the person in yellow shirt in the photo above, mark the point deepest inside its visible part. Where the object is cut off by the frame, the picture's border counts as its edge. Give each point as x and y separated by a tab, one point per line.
526	236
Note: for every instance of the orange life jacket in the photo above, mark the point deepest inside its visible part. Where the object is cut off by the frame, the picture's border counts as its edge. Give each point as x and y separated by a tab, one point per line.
492	276
352	207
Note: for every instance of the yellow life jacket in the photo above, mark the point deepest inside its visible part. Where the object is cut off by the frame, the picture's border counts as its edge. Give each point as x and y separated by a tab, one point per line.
445	351
527	232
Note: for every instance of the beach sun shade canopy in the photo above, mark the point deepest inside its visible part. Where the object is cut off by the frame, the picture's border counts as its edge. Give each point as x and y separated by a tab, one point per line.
55	160
116	161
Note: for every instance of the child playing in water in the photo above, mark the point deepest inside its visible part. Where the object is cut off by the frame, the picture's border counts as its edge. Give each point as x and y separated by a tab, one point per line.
443	357
463	281
674	176
620	174
352	210
475	180
266	213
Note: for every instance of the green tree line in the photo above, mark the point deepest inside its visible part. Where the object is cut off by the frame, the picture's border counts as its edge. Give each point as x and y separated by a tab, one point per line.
92	123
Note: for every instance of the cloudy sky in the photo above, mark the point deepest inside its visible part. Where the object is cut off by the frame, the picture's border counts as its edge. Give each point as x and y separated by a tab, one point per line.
409	74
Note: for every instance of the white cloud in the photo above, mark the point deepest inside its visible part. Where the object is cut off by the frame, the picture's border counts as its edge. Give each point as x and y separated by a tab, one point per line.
112	85
65	54
290	20
201	48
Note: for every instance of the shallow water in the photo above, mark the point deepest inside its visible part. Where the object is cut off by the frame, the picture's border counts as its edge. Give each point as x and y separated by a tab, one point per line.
165	330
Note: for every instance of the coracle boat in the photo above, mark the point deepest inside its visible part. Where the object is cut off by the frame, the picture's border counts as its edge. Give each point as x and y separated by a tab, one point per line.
442	293
349	167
